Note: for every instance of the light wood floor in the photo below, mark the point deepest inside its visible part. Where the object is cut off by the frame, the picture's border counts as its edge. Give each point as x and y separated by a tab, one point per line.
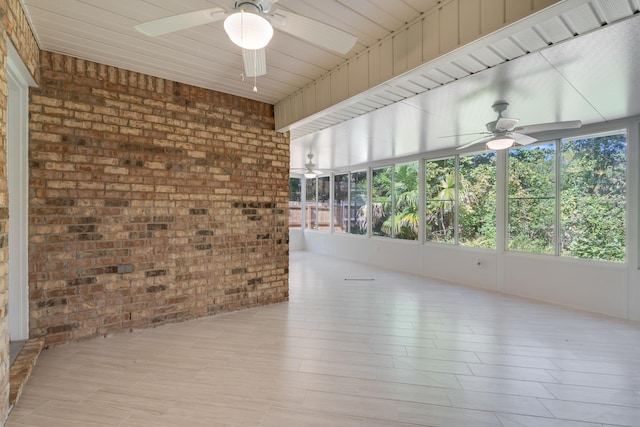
394	351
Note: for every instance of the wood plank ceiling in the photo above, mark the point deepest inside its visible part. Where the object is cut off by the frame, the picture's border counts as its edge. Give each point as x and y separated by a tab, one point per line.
204	56
559	67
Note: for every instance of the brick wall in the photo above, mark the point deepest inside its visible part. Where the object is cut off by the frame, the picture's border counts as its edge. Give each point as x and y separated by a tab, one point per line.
13	26
150	202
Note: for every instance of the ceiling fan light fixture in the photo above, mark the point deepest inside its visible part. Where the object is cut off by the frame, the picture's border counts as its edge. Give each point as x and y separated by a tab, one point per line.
310	175
248	30
500	143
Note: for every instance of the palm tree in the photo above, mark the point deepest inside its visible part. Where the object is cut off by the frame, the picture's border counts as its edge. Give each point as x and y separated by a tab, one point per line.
440	207
403	224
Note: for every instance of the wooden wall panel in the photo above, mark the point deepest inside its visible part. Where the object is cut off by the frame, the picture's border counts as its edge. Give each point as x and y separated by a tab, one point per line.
323	93
541	4
339	84
298	105
358	74
414	45
431	37
386	60
399	53
446	27
492	15
469	20
374	66
309	99
517	9
449	27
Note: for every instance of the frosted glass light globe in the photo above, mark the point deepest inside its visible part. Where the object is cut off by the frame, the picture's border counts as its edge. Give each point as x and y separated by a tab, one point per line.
248	30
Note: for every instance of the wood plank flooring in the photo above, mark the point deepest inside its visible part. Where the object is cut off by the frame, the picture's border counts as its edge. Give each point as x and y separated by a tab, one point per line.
397	350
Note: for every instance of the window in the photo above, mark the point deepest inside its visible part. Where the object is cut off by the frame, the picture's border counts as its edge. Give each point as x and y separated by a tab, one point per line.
341	203
295	202
532	199
323	205
349	201
311	213
584	215
460	201
358	203
395	201
592	198
404	218
440	177
381	201
477	200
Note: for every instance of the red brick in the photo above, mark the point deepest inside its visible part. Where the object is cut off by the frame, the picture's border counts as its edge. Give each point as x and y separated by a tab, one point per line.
150	185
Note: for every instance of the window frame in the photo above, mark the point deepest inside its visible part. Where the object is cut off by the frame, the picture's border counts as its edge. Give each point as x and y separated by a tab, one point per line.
558	231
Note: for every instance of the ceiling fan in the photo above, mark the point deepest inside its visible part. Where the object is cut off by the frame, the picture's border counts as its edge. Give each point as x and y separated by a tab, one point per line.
250	26
310	170
502	133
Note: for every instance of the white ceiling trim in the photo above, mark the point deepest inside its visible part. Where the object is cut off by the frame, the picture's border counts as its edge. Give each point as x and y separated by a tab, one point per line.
548	27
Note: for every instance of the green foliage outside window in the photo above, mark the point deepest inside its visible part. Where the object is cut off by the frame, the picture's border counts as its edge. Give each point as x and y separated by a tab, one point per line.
295	198
395	201
440	200
404	221
381	200
587	220
358	203
295	189
531	203
341	203
312	204
477	200
593	206
471	191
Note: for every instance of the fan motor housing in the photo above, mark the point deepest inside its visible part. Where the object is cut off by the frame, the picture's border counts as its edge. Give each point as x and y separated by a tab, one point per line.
256	6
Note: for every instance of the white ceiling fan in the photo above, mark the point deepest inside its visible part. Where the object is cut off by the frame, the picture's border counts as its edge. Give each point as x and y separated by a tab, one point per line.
310	169
250	25
502	133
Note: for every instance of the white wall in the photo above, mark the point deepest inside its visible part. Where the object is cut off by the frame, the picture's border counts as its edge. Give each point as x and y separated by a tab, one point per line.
296	239
599	287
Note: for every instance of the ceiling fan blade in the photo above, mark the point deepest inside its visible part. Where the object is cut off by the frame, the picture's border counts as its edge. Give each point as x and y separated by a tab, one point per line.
545	127
522	139
183	21
465	134
313	31
255	62
505	124
478	141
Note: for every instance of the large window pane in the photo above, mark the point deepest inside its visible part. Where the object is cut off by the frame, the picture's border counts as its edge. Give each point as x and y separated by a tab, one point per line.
295	199
311	204
381	198
593	197
477	200
440	189
324	207
341	203
405	207
531	204
358	203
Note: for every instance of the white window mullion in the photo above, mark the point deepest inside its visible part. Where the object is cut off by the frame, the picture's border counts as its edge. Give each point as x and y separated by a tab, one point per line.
456	203
558	189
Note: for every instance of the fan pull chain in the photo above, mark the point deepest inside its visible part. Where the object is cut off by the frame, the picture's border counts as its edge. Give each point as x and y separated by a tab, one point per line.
255	70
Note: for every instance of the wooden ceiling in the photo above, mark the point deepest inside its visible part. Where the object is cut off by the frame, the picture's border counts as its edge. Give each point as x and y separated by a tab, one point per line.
586	73
103	31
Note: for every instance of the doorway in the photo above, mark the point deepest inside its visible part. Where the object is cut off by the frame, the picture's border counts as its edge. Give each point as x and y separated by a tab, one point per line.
18	80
